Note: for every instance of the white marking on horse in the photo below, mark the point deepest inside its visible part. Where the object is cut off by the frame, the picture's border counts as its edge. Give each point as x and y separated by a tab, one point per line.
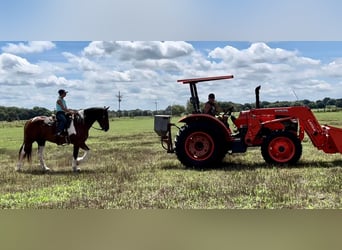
21	158
49	120
84	157
81	113
36	118
41	158
77	161
71	129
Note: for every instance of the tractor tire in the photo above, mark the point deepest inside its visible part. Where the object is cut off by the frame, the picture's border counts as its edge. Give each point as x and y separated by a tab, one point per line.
281	148
198	146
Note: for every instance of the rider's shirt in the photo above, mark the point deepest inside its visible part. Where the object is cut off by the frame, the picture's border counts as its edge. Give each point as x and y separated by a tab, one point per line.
58	107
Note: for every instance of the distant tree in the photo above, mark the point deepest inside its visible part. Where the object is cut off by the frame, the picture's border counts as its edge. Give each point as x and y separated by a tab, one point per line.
227	105
3	115
297	103
309	103
246	106
265	104
136	112
326	100
339	103
175	110
331	102
312	105
14	113
320	104
189	107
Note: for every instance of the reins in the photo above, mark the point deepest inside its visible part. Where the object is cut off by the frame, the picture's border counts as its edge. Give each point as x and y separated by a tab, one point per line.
96	128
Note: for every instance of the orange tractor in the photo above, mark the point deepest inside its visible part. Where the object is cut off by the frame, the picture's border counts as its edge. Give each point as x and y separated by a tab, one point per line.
204	140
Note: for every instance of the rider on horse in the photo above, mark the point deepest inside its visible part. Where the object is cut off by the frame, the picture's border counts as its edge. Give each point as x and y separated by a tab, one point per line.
62	110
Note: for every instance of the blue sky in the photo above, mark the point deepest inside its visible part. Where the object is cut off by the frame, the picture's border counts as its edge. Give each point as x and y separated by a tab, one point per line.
285	46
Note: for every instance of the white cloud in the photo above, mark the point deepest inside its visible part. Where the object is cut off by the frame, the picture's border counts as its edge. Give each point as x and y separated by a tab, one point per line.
333	69
55	81
15	65
162	65
259	53
100	48
139	50
17	70
81	63
261	64
30	47
106	77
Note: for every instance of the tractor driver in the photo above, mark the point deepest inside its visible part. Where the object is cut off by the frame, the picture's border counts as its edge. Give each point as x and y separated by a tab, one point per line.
211	107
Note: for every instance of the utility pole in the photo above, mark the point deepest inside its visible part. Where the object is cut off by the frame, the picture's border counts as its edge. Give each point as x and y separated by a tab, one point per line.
119	96
156	103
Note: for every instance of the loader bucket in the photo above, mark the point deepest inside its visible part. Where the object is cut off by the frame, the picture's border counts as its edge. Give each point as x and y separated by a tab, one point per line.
334	140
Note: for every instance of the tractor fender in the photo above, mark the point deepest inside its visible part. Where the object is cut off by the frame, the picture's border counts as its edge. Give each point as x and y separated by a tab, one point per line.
210	121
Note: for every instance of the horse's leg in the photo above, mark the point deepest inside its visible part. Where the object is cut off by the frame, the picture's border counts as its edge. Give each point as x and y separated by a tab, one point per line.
41	147
21	158
86	153
24	151
74	159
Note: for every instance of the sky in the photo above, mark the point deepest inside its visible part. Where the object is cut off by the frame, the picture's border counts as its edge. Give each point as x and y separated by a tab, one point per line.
94	49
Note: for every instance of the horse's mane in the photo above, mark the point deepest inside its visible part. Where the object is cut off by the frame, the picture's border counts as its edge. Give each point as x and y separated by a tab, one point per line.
93	110
84	114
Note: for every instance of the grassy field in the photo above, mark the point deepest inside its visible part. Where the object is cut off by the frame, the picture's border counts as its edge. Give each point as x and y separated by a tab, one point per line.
128	168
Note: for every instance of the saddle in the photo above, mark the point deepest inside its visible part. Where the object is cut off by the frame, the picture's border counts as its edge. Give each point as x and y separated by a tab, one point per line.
48	120
51	121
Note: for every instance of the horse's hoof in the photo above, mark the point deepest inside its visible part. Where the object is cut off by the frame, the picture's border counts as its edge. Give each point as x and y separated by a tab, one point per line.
76	170
18	167
46	169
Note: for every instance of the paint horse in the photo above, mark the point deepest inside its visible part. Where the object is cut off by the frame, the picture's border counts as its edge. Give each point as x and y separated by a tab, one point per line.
41	129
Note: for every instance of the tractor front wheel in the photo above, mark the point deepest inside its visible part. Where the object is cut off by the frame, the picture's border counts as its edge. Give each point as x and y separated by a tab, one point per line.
199	147
281	148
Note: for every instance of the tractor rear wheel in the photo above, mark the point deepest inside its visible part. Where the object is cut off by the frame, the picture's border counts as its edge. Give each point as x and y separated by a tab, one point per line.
198	146
281	148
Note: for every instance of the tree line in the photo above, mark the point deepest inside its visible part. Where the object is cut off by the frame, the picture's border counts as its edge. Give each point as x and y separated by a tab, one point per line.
327	104
15	113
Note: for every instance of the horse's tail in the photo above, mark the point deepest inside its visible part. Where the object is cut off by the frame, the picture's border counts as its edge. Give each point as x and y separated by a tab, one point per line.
25	151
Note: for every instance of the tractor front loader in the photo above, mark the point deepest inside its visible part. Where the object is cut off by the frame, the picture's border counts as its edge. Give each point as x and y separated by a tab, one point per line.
204	140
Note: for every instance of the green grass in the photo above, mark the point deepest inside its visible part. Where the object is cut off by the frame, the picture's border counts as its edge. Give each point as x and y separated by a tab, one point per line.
128	168
10	137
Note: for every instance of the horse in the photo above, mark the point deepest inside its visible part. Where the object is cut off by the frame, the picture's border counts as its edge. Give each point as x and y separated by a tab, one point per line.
42	128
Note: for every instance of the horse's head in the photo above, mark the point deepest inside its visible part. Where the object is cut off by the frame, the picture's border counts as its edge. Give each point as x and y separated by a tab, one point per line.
100	115
103	119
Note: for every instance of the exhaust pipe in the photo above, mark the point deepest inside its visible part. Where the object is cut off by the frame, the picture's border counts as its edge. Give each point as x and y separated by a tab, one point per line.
257	101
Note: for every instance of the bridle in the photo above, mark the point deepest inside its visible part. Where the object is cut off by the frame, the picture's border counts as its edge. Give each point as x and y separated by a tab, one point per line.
99	128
